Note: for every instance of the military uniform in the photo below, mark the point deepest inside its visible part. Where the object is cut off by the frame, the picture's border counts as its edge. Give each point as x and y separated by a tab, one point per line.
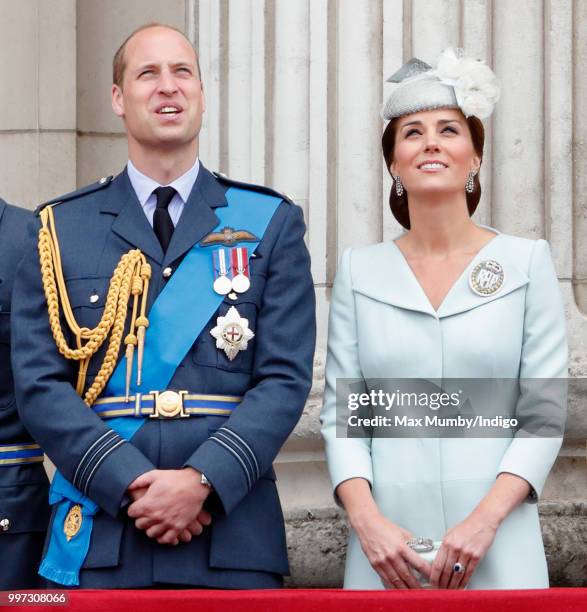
245	545
24	510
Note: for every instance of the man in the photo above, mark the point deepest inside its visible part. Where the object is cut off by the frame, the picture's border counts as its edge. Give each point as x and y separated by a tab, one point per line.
166	477
24	511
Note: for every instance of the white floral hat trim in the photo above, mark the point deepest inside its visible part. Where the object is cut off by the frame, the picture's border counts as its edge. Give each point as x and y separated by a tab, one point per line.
457	81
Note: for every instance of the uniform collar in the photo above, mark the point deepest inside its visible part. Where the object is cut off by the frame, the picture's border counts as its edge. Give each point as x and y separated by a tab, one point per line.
144	185
197	220
395	283
2	208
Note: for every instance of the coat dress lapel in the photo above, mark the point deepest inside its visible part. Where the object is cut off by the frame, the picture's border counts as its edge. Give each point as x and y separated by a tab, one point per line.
461	297
394	283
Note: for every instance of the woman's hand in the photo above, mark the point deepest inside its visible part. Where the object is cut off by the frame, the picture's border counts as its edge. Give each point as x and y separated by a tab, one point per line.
466	543
384	545
383	542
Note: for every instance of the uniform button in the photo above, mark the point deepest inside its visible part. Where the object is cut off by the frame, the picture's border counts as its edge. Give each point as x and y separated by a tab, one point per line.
94	298
5	524
167	272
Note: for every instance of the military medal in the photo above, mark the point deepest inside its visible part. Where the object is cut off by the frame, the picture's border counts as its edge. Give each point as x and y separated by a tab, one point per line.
232	333
73	522
486	278
222	284
240	266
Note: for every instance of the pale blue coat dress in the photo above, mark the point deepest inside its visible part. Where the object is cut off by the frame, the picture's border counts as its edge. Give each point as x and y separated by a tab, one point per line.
382	325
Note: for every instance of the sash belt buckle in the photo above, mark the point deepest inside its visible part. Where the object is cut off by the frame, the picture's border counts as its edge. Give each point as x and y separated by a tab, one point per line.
169	405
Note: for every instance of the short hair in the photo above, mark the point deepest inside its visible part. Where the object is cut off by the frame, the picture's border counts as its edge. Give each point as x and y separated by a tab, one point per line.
399	204
119	62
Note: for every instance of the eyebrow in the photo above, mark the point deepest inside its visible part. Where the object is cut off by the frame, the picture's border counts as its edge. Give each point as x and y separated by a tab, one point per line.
179	64
443	121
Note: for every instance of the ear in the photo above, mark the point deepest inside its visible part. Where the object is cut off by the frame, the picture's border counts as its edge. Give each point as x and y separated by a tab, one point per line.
393	169
203	97
117	101
476	164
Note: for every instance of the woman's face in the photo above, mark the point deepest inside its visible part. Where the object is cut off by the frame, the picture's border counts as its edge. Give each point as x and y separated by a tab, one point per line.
434	152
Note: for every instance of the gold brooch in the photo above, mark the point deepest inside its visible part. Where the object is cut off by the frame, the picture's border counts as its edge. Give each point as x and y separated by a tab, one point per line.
73	522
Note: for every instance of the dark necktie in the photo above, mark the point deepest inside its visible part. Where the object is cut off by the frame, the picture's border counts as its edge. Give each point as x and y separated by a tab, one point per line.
162	223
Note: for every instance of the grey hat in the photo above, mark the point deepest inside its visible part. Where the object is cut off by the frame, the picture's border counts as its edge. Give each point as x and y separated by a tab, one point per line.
456	82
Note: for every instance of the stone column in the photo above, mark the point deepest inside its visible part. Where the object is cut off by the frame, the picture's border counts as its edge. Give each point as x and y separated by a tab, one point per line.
102	26
38	101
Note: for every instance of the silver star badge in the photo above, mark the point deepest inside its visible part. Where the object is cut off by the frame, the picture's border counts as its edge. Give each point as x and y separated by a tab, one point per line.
232	333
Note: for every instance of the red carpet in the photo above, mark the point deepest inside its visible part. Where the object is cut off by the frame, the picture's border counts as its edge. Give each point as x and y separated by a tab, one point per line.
316	600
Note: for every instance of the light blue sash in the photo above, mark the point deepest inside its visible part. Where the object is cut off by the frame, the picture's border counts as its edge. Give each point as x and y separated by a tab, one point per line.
176	319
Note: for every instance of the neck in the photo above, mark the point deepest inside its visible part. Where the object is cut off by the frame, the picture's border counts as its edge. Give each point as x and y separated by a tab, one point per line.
441	224
163	165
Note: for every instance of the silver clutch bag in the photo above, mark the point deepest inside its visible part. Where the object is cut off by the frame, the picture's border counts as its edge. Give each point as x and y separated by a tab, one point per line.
427	549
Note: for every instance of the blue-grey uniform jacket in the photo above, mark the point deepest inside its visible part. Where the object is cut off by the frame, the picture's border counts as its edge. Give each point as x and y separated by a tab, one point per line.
245	546
24	509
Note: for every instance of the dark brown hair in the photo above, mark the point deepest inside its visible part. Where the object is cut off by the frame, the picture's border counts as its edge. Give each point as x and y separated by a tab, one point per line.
399	204
119	62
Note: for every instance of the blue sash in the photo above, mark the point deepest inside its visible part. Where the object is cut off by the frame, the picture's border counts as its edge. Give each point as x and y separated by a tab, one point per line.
173	328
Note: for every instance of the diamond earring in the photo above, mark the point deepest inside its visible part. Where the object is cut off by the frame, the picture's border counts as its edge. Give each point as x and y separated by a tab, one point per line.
470	184
399	188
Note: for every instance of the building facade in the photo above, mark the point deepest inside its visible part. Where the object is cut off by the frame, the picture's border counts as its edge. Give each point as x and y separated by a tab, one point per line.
294	89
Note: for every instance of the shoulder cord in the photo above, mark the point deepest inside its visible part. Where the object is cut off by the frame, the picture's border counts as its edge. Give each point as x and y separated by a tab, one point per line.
131	277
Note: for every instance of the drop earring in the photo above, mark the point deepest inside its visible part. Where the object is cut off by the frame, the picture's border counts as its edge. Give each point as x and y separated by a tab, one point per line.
470	184
399	188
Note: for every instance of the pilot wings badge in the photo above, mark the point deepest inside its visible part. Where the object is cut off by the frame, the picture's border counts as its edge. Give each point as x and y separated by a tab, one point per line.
228	236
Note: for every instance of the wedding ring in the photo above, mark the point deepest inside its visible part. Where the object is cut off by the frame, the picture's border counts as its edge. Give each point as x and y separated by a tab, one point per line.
458	568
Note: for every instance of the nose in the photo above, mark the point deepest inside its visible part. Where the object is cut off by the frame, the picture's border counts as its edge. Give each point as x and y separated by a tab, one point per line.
167	84
431	143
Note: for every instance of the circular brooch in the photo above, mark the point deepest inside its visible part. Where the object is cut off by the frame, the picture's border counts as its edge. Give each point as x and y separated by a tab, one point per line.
486	278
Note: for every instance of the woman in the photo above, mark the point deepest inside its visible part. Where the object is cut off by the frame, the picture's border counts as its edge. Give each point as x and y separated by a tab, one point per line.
448	299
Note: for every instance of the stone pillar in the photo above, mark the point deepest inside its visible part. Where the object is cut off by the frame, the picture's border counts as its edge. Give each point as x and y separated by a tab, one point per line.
293	94
38	101
102	26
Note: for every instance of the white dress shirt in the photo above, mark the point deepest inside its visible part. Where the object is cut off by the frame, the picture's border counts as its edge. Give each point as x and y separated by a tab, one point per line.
145	185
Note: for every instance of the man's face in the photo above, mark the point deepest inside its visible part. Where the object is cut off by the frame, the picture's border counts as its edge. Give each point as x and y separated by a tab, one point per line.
161	99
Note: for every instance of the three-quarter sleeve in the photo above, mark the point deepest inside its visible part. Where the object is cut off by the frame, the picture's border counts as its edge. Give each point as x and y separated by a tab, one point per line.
347	457
543	370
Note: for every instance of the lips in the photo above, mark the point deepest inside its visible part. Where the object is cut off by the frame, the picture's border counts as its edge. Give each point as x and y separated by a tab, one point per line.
168	109
432	164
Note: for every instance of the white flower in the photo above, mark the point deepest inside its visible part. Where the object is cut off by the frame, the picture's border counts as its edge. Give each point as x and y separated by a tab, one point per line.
449	65
476	86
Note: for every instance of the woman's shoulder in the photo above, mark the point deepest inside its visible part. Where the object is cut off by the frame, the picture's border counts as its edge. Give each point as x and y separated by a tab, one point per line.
370	250
364	258
522	250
